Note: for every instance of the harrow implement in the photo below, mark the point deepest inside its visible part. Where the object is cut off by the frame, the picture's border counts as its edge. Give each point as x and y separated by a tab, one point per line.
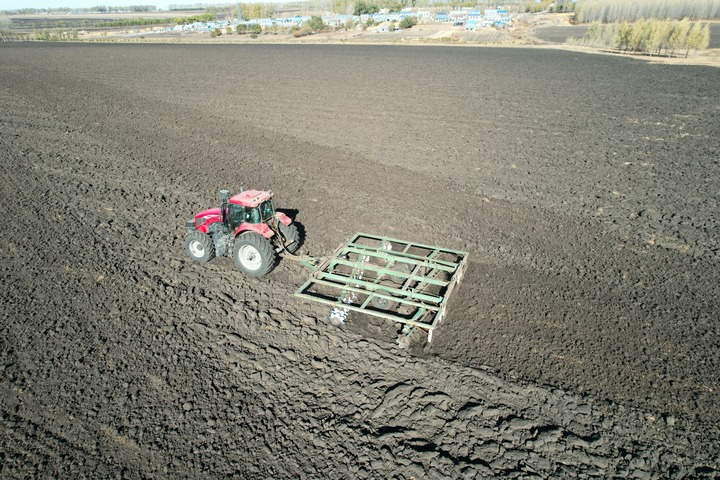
405	282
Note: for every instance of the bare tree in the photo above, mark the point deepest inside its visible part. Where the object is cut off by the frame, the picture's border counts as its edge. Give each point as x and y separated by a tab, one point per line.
5	28
612	10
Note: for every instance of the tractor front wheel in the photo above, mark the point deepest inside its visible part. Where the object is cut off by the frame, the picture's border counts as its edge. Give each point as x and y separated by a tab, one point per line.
253	254
199	247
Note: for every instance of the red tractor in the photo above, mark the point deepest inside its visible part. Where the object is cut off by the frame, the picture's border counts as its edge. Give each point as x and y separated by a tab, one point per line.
245	226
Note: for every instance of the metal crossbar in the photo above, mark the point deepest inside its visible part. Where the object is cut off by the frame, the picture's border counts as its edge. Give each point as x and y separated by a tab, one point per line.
398	280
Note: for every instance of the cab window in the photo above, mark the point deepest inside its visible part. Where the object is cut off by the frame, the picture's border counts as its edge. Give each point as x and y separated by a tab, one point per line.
236	215
252	215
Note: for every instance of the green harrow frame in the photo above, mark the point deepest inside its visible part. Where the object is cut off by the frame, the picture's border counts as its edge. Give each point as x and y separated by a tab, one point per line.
402	281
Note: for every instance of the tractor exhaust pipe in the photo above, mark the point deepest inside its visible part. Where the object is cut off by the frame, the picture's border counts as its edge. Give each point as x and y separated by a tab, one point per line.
224	197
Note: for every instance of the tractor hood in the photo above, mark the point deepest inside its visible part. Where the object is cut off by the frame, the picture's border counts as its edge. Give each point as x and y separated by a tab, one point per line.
210	215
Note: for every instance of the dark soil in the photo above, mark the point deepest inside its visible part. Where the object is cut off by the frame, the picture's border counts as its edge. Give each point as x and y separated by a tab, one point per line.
582	342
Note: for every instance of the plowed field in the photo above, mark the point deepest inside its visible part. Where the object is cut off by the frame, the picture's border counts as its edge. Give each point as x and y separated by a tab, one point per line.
582	341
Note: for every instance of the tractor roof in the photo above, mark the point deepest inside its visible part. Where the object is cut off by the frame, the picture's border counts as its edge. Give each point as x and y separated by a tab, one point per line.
250	198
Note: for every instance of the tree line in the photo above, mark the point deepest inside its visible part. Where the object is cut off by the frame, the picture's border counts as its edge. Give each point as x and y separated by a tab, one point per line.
95	9
619	10
127	22
651	36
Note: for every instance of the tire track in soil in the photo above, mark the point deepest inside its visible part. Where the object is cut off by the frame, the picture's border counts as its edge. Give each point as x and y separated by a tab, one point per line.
195	370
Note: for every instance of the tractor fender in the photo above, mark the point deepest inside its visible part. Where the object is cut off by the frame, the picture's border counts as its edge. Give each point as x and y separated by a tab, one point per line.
259	228
283	218
204	219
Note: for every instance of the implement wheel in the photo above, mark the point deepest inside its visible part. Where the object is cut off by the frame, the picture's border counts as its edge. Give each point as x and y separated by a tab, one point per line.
380	302
253	254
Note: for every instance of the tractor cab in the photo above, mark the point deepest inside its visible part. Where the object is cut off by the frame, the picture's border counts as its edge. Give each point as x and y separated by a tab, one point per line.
250	206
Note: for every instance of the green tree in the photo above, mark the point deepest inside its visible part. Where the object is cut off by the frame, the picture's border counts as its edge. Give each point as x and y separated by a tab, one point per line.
659	36
594	32
609	35
252	28
362	8
637	35
42	35
301	31
252	10
349	24
215	33
705	38
698	38
533	7
623	36
678	37
316	24
392	5
407	22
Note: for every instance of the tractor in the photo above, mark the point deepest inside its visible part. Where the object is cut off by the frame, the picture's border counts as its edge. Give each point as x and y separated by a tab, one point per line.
246	227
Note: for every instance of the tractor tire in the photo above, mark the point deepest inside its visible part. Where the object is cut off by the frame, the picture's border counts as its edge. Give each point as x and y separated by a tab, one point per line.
199	247
292	234
253	254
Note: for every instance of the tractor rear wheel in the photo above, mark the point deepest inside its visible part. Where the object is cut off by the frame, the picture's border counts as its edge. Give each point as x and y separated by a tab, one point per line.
253	254
199	247
292	235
